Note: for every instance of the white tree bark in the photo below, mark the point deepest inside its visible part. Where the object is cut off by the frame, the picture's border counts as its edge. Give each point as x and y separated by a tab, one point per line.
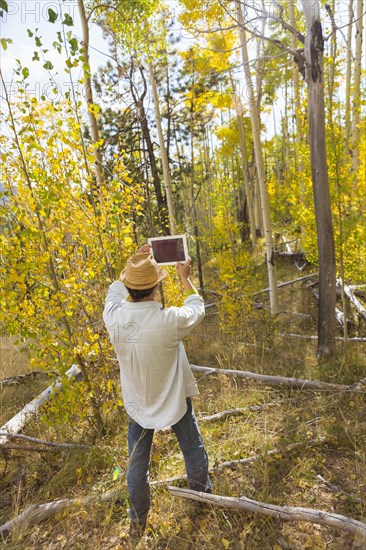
18	421
271	380
255	120
347	116
355	301
89	96
164	156
356	98
286	513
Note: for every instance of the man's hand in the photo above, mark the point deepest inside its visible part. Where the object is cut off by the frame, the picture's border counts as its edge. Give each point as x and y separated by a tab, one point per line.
183	271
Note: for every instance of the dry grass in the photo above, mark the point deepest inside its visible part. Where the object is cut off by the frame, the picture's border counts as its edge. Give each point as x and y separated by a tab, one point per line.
286	478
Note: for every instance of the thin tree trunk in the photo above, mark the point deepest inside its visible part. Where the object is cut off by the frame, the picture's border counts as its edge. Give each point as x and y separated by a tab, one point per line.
195	222
257	202
164	156
139	102
331	76
244	161
254	114
347	117
89	98
314	74
295	76
356	99
299	136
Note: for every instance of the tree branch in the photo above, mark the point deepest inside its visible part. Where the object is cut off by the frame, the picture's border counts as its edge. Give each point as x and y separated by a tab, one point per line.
296	383
43	442
286	513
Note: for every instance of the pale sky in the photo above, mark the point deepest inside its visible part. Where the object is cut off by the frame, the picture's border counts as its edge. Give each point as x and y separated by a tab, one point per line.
32	14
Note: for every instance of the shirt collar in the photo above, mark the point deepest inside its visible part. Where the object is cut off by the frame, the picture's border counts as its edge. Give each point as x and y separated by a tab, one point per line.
142	305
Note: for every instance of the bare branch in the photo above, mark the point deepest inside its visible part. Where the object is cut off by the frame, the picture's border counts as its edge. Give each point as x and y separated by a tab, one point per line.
297	383
43	442
337	489
286	513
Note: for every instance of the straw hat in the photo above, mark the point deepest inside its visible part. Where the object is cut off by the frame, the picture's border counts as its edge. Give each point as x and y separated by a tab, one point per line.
142	272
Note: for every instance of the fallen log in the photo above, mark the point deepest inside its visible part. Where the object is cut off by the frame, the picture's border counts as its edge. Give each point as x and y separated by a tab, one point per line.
28	448
295	256
352	298
280	285
239	411
16	424
11	435
229	412
282	380
291	255
285	513
248	460
21	377
314	337
37	513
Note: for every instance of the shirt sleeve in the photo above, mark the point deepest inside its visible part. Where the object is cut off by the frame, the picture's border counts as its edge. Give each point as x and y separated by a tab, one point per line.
190	314
116	294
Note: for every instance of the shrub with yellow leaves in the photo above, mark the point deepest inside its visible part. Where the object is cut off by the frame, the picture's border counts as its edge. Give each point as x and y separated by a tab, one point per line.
64	240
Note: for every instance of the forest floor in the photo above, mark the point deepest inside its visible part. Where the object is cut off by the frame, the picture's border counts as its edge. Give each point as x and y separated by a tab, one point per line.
287	477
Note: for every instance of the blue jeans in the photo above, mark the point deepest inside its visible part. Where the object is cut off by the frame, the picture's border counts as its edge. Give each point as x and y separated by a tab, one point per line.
139	446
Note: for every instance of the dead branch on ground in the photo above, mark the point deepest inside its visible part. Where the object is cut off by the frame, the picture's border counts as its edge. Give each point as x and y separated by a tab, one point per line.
296	383
286	513
43	442
16	424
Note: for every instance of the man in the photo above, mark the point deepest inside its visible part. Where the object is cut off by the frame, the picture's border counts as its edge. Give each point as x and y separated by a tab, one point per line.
157	382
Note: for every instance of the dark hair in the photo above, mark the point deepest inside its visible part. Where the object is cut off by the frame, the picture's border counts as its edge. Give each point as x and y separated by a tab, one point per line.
138	295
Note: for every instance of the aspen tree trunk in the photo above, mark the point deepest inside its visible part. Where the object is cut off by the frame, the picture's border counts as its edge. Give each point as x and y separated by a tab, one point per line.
193	207
254	115
356	99
139	102
331	77
164	156
244	161
297	98
295	75
89	96
207	150
314	75
347	120
257	202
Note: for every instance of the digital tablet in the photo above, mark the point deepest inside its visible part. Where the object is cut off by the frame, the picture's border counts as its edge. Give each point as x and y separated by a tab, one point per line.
169	250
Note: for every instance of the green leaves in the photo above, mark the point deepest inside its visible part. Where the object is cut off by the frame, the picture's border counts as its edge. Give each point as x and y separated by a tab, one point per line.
52	16
48	65
5	42
68	20
74	45
3	7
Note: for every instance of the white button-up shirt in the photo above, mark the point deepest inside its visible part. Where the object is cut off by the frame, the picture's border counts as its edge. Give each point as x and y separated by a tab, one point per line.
156	377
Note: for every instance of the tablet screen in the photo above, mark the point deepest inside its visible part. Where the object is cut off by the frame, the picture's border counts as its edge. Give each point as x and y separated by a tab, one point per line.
169	250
